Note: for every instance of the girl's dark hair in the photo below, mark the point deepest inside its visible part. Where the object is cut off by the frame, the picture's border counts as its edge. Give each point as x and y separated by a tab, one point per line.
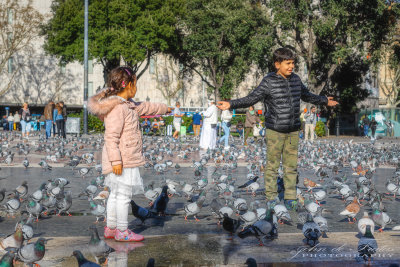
118	79
282	54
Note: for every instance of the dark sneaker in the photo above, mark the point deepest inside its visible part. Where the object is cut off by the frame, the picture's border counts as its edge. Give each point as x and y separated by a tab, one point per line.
291	204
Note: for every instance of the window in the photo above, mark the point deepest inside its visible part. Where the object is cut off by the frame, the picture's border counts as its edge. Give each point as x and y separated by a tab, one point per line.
10	15
90	66
10	65
9	38
152	66
90	89
63	68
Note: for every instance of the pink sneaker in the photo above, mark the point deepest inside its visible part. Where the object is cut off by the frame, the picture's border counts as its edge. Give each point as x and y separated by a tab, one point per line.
109	233
127	236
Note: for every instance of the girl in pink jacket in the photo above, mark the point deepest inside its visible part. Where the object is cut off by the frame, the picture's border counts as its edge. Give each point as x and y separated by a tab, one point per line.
122	151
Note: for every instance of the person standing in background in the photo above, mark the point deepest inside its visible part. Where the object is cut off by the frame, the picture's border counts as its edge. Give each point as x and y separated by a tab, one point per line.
17	120
311	121
208	136
48	116
365	124
196	123
251	120
10	122
25	120
373	125
177	120
64	113
59	120
226	117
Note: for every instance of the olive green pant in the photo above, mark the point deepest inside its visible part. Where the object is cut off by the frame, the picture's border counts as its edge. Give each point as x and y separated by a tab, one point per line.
279	145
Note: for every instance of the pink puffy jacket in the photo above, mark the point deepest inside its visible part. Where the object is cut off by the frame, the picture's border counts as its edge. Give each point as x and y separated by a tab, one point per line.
123	137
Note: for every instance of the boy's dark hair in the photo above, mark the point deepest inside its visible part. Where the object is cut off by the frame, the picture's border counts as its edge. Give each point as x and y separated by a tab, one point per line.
282	54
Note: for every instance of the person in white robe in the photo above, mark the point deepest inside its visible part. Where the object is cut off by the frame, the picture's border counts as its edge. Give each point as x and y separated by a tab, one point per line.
208	136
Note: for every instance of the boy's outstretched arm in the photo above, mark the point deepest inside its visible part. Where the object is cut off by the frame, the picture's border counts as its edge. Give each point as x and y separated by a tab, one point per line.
255	96
309	97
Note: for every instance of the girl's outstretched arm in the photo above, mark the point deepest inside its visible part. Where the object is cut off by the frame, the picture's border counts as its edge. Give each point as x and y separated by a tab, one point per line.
114	123
148	109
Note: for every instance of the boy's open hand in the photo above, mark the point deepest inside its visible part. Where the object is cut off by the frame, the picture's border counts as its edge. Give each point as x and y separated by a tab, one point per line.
331	102
117	169
169	110
223	105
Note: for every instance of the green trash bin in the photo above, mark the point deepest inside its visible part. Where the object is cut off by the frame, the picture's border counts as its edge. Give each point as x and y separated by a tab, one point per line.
183	130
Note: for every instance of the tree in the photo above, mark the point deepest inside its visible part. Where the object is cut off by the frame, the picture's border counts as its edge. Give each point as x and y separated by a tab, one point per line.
19	23
168	77
120	31
328	34
222	39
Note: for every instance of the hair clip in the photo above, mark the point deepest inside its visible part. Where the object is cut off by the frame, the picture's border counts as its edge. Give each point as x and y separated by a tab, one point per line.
112	89
123	84
127	71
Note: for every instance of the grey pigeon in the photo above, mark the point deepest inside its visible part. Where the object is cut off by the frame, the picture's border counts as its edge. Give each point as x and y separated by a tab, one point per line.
311	232
97	247
32	252
367	245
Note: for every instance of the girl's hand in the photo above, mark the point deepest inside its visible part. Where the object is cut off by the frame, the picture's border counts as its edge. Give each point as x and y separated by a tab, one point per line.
117	169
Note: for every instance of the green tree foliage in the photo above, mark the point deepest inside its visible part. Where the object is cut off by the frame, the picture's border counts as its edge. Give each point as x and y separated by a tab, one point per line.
128	30
222	39
329	34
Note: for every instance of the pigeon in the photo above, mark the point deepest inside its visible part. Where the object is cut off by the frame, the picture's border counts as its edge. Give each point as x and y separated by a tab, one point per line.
260	229
367	245
64	204
248	183
363	222
282	213
351	210
15	240
34	209
12	205
27	228
82	261
38	194
22	190
44	165
230	225
8	259
310	184
160	204
97	247
240	205
25	163
97	210
193	209
141	213
83	172
32	252
250	262
311	232
2	194
248	218
381	218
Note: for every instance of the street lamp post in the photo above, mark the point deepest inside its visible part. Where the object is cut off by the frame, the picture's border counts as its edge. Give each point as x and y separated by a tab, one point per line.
85	68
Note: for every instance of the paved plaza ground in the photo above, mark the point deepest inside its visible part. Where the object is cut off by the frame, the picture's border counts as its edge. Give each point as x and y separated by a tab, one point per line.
172	241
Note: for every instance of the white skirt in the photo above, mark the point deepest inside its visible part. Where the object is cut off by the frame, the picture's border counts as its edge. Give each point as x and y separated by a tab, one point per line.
129	183
208	137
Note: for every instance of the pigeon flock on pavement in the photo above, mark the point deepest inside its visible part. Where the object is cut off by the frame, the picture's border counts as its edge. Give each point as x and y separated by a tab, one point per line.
213	191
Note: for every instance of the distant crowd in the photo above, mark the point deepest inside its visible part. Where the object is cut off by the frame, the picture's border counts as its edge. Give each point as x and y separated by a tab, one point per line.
54	117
